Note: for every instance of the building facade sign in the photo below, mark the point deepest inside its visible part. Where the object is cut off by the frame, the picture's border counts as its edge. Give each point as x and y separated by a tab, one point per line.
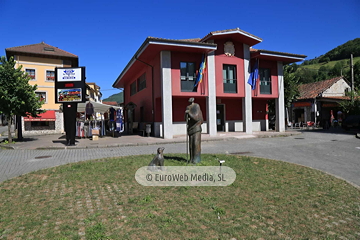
70	85
69	74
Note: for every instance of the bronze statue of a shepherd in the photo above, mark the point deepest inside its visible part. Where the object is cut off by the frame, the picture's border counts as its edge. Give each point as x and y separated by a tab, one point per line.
194	119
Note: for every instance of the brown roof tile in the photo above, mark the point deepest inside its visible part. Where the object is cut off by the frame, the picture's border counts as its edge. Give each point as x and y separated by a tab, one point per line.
229	30
41	48
312	90
191	40
187	41
110	103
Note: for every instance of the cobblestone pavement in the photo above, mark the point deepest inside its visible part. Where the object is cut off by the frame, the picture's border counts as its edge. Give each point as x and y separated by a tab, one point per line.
334	153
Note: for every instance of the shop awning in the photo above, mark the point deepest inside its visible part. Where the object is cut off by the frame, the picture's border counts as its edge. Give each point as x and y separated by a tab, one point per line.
98	107
46	116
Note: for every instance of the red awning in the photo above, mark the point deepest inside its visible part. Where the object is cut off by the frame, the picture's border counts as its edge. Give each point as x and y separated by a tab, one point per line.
302	104
46	116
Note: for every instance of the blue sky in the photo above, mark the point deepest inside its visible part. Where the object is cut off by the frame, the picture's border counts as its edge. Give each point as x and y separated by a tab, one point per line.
106	34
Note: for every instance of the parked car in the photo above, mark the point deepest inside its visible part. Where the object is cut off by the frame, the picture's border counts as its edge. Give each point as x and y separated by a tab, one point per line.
352	121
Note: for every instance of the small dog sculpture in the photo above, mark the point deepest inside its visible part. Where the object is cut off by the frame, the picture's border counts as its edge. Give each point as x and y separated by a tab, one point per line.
158	161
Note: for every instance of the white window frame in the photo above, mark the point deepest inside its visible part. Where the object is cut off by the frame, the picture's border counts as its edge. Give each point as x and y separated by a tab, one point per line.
46	95
34	71
46	70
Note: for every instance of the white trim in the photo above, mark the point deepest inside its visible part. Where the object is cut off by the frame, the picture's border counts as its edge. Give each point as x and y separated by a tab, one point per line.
247	100
166	94
211	98
53	70
142	50
40	64
284	56
237	31
28	68
279	102
183	45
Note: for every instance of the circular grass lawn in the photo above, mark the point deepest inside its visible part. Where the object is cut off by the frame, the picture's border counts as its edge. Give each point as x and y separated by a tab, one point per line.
101	200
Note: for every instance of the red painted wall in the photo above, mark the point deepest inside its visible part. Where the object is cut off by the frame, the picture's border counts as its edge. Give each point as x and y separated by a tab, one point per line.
179	106
274	80
238	60
143	98
176	58
259	109
233	108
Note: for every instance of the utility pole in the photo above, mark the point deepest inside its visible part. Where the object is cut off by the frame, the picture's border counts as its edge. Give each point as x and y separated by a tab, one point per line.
352	72
352	77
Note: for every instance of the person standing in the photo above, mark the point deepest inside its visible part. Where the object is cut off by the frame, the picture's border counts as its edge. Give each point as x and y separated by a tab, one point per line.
89	111
194	119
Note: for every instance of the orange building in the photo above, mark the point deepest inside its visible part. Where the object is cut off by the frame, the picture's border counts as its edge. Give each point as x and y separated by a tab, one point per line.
39	61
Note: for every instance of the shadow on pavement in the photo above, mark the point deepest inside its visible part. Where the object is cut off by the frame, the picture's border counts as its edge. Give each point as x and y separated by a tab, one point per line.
62	142
28	139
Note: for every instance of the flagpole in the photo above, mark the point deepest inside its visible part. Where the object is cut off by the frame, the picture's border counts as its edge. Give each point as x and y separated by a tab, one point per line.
257	84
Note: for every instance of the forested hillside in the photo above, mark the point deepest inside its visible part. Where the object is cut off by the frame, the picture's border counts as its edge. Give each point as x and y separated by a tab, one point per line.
118	97
334	63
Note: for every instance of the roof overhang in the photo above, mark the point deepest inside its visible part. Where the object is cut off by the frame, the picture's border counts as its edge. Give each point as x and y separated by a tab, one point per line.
236	34
74	60
277	56
151	48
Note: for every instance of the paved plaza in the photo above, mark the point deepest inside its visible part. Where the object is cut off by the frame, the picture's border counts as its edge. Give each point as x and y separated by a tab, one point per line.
334	152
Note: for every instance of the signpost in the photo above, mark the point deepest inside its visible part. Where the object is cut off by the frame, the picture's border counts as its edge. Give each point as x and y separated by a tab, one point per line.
70	89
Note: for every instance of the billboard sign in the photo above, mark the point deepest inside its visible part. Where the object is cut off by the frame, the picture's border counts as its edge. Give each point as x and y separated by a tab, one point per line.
68	74
70	85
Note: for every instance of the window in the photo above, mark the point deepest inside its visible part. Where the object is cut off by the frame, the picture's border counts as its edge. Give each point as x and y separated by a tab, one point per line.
31	73
41	96
50	75
229	76
141	82
265	81
133	88
187	76
40	123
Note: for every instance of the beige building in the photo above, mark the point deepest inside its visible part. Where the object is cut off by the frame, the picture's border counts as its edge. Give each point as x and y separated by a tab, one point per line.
39	61
93	92
317	100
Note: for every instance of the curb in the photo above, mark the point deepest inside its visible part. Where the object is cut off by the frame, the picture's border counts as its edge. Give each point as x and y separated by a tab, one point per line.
7	147
228	138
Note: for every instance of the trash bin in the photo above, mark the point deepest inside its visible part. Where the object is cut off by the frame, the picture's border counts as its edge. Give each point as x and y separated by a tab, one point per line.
148	129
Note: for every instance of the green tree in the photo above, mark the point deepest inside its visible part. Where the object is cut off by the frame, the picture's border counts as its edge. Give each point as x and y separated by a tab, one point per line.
291	84
351	107
306	75
336	70
17	96
357	75
291	88
323	73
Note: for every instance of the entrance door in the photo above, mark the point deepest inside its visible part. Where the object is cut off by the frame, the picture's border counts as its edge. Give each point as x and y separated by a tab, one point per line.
220	117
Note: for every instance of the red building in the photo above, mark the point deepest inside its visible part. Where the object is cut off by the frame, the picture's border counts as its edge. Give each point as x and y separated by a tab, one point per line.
160	79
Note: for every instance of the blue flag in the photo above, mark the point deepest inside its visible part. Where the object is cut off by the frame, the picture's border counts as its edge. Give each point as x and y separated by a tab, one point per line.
254	75
201	71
